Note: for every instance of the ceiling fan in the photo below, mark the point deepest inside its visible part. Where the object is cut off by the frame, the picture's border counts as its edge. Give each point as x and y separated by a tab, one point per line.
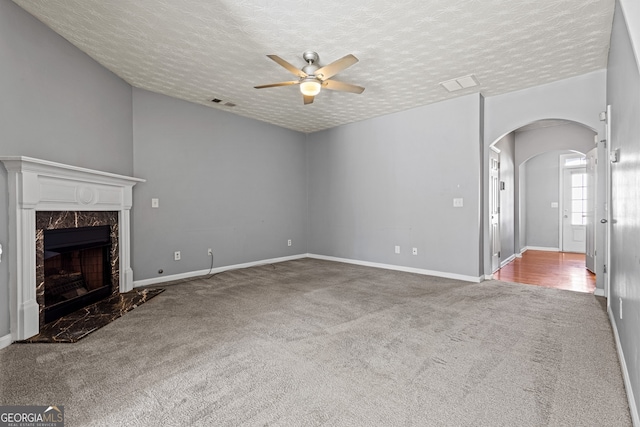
312	77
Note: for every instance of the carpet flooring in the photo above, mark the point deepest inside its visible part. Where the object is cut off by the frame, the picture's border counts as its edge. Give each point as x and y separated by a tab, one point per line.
319	343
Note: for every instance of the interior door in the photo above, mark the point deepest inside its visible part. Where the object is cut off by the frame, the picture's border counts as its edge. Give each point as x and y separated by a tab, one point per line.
574	209
590	249
494	209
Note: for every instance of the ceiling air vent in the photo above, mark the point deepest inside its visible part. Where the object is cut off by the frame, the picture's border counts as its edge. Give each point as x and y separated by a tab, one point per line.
460	83
226	103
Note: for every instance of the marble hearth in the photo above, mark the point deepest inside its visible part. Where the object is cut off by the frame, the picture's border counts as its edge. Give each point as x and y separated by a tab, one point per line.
46	195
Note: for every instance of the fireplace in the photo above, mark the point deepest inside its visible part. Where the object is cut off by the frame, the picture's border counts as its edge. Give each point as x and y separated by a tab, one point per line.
77	271
45	196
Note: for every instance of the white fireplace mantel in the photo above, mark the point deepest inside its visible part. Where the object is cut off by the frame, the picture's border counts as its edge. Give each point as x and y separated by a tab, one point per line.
40	185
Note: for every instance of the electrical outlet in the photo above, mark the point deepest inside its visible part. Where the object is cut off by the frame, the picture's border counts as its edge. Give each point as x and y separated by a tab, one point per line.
210	252
176	256
397	249
289	242
415	251
155	203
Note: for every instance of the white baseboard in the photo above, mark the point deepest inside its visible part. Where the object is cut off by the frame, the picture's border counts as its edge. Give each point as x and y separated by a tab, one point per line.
488	277
5	341
400	268
633	409
190	274
599	292
540	248
507	261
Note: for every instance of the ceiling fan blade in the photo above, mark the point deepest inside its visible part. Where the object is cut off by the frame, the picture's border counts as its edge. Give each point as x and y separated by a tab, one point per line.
342	86
293	70
307	99
293	82
336	66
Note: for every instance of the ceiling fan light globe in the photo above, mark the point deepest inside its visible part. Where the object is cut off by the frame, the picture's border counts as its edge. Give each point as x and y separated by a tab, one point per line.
310	87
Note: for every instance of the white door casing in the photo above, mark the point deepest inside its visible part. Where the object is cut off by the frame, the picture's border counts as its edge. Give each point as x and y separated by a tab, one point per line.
607	207
573	199
494	208
590	249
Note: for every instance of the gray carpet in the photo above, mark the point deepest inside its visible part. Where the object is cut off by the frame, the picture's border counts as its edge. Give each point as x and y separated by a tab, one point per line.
309	342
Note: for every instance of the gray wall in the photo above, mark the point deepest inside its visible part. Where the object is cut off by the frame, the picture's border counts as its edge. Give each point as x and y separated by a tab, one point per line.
506	145
541	189
391	181
571	136
521	209
623	94
57	104
225	182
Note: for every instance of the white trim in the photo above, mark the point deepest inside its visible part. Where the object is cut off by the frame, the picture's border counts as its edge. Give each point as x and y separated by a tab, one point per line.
190	274
561	160
508	260
400	268
488	277
494	149
5	341
541	248
607	206
599	292
633	409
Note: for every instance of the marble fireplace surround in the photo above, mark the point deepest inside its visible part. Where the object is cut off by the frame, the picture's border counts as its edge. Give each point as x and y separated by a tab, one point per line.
40	185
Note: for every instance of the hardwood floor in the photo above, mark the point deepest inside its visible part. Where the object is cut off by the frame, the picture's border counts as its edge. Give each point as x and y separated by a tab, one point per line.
561	270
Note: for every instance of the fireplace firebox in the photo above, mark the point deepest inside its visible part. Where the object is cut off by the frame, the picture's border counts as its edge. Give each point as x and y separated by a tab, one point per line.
77	269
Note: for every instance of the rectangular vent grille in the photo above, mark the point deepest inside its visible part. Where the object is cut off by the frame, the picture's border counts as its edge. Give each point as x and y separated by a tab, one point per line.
460	83
226	103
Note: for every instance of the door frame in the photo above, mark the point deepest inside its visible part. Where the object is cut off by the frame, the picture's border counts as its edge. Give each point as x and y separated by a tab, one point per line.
494	197
608	223
562	168
592	208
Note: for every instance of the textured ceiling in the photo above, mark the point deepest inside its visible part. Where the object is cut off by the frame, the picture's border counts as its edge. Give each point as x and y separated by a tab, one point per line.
202	49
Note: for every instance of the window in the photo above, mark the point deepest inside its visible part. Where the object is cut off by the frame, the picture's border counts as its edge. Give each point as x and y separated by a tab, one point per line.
578	198
575	161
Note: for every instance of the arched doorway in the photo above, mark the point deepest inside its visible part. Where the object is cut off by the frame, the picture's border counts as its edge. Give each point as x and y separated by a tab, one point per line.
533	221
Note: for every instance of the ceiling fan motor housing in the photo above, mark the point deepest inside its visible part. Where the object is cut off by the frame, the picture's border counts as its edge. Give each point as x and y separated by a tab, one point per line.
310	57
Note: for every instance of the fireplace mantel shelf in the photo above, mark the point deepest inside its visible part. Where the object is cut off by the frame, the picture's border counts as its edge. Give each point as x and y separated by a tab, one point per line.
30	164
41	185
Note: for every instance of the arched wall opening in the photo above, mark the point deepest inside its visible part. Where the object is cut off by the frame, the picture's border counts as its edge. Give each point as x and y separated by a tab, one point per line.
549	138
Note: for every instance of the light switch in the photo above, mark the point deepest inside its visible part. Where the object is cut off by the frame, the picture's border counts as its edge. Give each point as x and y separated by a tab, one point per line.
554	204
155	203
457	203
